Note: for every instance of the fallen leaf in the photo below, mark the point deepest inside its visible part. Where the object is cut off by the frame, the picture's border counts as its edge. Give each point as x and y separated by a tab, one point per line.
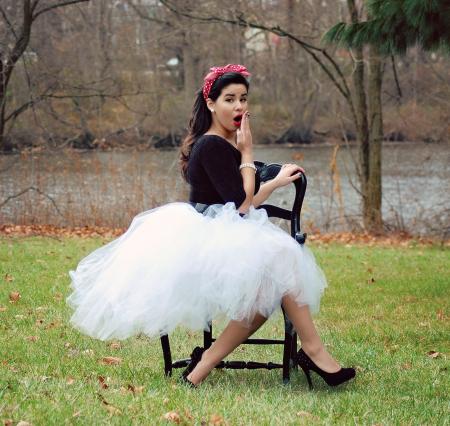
76	414
407	366
3	308
172	416
135	389
113	411
215	419
8	422
433	354
70	381
111	360
8	278
440	315
32	338
188	414
115	345
23	423
102	382
14	296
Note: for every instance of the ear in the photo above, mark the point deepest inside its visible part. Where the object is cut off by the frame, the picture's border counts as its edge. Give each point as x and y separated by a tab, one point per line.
210	104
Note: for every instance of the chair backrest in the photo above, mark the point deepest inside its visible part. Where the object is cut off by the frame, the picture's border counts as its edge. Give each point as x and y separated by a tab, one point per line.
269	171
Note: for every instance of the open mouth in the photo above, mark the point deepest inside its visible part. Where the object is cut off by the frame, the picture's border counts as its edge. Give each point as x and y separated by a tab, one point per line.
237	120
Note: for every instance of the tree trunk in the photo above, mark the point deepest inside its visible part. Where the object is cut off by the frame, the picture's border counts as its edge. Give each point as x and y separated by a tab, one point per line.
373	220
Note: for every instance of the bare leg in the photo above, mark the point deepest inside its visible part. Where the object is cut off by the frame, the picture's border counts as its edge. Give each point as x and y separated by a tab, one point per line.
300	317
232	336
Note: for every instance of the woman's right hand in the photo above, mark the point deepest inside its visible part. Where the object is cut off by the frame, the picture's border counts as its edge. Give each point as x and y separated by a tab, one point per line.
244	135
287	174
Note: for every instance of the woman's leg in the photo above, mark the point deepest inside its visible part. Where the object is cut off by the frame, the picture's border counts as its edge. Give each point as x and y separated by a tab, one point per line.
232	336
301	319
236	332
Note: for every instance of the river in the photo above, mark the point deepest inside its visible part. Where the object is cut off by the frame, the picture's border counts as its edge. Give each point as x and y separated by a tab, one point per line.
72	188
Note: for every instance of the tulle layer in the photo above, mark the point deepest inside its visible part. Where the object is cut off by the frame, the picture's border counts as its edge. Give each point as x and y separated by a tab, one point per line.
175	266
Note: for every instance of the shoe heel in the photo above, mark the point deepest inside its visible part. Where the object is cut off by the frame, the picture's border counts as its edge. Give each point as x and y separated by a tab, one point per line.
308	377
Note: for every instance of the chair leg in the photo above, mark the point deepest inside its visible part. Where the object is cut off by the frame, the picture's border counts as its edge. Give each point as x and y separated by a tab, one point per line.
287	357
167	355
294	351
207	337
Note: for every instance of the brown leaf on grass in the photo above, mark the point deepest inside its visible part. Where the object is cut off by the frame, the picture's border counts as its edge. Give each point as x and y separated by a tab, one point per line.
172	416
8	278
32	338
113	411
14	296
216	420
102	382
110	408
111	360
135	389
57	297
76	414
8	422
115	345
3	308
406	366
70	381
53	324
440	315
434	354
188	414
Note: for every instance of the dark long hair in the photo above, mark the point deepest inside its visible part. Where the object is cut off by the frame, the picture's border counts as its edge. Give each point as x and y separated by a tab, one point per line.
201	118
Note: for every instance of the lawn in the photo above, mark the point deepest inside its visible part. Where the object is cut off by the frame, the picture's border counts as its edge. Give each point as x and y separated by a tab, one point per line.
386	311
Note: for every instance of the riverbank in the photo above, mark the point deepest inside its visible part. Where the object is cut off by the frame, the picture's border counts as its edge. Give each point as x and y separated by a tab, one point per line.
385	312
399	239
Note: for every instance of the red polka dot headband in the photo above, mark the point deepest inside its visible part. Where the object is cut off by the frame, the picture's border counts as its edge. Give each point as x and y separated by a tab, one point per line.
216	72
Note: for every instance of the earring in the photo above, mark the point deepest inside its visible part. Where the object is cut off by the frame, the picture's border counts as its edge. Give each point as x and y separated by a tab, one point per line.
211	110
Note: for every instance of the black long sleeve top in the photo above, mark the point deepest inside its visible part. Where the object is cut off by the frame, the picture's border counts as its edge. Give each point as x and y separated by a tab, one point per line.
213	172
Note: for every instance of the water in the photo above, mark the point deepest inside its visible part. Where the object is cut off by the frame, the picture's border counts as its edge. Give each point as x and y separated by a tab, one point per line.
108	188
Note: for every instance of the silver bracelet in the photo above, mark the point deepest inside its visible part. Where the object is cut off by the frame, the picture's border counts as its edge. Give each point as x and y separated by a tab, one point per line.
250	165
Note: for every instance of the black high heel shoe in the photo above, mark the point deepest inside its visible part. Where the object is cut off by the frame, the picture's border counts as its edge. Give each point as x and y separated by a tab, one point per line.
196	356
331	379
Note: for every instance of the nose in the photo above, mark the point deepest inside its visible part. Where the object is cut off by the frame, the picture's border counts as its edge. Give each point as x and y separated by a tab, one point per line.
239	106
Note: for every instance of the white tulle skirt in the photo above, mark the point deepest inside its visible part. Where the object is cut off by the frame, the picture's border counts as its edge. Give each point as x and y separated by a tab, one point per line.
175	266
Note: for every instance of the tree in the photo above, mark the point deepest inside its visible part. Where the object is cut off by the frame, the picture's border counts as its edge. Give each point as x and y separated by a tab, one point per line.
391	28
15	39
394	26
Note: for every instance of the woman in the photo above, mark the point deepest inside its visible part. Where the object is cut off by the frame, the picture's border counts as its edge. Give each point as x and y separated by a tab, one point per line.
186	264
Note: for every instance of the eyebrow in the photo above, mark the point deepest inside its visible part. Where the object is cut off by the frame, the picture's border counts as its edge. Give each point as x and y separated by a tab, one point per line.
232	94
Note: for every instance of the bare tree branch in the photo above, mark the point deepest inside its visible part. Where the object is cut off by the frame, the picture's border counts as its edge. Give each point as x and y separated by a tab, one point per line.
56	6
312	50
31	188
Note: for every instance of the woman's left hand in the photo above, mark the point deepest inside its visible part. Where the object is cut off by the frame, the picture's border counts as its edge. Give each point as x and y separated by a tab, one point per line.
287	174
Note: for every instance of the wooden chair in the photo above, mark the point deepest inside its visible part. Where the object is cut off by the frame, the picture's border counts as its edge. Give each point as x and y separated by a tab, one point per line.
266	172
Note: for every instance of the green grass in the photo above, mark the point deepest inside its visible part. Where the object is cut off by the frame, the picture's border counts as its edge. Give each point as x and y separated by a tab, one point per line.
385	328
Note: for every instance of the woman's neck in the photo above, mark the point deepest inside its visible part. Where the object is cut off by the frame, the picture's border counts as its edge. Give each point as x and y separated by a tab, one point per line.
229	136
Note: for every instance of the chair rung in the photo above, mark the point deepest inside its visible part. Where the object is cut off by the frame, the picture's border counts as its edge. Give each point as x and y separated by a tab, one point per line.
250	365
261	342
